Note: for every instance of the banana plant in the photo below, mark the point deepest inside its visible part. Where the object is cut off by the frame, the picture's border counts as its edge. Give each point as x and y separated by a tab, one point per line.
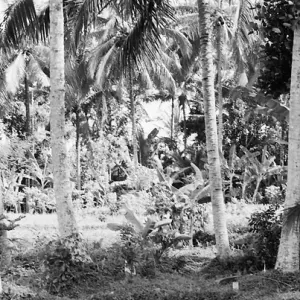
42	176
229	167
189	196
152	230
259	170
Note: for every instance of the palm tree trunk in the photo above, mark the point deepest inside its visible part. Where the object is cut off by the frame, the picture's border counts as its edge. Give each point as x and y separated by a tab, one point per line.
184	127
172	122
5	252
28	132
27	106
288	254
218	204
78	166
61	175
220	98
134	140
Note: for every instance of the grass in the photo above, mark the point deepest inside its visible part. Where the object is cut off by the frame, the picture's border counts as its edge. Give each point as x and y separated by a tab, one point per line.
196	280
45	226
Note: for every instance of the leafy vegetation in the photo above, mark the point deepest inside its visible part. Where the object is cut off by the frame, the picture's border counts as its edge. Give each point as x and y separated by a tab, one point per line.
136	138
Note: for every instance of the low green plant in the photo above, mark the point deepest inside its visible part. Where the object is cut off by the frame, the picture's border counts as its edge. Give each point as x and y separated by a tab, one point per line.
238	263
266	225
144	245
64	260
40	201
274	195
203	238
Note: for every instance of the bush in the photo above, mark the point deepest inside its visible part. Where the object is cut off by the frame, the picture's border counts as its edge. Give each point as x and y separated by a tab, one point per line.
203	239
40	201
266	226
274	195
64	260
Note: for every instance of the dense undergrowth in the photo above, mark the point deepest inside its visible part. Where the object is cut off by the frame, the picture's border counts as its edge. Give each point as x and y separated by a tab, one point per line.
126	269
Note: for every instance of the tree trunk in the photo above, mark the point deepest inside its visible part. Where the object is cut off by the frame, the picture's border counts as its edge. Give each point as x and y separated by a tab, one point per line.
288	254
27	106
172	122
5	252
61	175
184	127
218	204
28	126
133	121
78	166
258	181
220	98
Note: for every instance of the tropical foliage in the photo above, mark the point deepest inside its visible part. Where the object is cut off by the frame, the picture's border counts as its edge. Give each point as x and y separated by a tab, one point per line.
170	114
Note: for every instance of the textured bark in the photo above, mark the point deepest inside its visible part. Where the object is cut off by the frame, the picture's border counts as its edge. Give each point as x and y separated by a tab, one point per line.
5	252
133	121
288	254
27	106
215	178
184	127
61	177
220	98
78	165
172	122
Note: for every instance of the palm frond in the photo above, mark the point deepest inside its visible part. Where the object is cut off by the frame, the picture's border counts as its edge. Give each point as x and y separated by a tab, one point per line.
145	78
180	39
44	23
36	73
41	55
97	54
107	31
21	20
144	39
103	70
78	82
82	14
163	78
241	28
14	73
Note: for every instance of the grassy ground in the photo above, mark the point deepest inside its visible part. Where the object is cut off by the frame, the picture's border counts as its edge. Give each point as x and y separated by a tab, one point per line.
196	280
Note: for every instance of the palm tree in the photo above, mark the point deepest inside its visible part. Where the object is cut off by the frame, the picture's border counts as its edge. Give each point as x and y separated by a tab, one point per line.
78	85
61	177
231	24
108	63
27	67
288	253
215	177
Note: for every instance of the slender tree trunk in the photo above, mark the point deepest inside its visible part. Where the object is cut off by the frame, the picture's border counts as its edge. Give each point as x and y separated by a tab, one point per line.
27	106
184	127
218	204
28	132
258	181
220	98
78	166
172	122
61	175
5	253
288	254
132	107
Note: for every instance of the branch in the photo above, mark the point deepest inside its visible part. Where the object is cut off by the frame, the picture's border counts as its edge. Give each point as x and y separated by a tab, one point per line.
6	224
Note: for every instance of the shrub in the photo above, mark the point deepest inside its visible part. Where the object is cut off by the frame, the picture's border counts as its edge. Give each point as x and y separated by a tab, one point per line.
64	260
274	195
266	226
40	201
203	238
